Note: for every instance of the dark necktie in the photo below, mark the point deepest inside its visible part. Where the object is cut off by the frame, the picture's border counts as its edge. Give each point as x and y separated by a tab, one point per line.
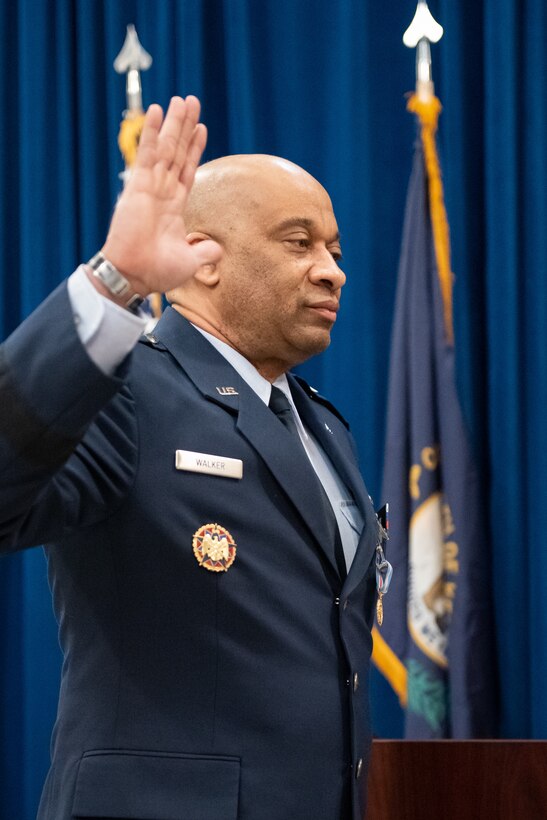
280	405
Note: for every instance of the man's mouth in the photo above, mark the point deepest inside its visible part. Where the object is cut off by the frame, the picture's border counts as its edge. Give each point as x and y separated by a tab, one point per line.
328	309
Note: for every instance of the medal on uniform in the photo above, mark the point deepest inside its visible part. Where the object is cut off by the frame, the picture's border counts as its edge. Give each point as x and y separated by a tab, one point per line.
214	547
380	609
384	570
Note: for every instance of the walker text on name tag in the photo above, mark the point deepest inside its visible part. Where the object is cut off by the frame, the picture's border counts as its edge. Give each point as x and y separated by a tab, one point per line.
207	463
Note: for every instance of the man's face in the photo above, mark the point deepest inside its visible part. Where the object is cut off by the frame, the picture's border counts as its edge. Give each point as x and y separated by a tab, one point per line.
280	284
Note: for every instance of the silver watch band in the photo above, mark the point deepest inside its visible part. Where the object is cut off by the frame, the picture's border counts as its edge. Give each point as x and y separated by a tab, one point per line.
114	281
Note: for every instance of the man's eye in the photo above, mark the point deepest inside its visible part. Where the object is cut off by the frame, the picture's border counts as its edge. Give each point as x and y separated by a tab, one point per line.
300	242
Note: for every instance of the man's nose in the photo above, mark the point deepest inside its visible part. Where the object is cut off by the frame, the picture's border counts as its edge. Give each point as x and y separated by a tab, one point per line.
325	271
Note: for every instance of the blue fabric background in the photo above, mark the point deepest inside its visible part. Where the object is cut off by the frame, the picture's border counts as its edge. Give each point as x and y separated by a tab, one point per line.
323	84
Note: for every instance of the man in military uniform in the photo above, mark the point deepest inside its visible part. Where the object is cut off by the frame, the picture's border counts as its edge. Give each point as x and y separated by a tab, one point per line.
209	539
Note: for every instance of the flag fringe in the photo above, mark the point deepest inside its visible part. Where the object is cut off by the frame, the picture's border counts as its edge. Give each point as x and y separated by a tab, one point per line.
390	666
428	112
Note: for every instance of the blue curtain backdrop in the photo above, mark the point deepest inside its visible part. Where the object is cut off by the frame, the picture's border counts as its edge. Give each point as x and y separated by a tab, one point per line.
323	84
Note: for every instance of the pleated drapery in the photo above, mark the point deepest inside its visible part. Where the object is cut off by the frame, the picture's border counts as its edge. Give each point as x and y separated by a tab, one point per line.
322	84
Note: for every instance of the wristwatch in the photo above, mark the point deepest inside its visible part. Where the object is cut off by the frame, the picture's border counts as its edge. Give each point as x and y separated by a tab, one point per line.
114	281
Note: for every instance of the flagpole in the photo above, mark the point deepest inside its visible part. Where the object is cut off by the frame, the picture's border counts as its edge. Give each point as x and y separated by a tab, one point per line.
131	60
423	31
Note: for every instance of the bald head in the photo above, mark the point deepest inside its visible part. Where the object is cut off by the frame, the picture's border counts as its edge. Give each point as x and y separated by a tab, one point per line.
229	190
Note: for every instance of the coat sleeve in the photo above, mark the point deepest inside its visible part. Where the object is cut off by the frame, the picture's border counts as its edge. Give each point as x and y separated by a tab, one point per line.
67	431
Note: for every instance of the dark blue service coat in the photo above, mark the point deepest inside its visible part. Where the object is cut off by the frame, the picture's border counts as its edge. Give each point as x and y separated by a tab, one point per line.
186	694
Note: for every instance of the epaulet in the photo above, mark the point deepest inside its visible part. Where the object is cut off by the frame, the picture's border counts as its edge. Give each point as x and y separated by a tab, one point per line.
315	396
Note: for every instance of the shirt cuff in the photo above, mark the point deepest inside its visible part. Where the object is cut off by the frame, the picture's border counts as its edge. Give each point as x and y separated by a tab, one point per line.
107	331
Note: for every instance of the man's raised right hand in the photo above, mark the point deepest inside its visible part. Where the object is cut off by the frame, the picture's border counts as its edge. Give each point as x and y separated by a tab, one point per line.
146	241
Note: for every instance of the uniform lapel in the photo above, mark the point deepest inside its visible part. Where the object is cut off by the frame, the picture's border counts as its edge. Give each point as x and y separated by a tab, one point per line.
213	375
348	471
291	467
346	467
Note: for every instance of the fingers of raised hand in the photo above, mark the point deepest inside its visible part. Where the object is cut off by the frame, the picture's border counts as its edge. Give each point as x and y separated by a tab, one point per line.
146	154
176	132
193	109
174	143
193	156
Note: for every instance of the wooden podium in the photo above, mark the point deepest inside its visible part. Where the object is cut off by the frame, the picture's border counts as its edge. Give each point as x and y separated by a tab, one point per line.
458	780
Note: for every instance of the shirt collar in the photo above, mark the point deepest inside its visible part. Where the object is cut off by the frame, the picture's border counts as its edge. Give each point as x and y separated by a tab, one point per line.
248	372
243	366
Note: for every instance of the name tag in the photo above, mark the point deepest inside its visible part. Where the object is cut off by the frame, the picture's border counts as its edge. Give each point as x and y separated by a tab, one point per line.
207	463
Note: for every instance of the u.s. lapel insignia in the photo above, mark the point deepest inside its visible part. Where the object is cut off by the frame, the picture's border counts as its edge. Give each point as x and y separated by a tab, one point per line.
214	547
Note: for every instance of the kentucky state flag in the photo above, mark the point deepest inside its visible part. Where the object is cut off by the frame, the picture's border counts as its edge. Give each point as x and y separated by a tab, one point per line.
435	646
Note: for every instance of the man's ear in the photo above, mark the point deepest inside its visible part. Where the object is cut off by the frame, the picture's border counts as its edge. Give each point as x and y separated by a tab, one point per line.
208	275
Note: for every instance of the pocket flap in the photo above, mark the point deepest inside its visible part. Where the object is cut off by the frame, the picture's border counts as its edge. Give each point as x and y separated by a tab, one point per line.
156	786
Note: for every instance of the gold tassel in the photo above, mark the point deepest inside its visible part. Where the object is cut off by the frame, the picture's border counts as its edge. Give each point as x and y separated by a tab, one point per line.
128	138
428	113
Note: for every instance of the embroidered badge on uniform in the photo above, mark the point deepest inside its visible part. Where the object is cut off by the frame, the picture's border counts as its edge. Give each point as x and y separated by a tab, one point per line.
214	547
